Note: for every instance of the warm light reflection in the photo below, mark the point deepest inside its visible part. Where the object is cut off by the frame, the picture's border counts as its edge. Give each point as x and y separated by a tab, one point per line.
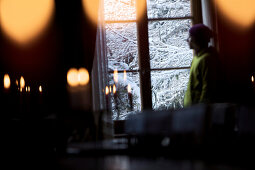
22	82
129	88
110	89
106	90
114	89
125	75
240	12
40	89
72	77
83	76
7	81
28	88
115	76
90	8
17	82
23	20
252	79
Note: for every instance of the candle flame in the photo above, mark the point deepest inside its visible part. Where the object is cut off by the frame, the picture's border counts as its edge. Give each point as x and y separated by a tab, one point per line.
125	75
17	82
252	79
115	76
114	89
22	82
110	87
28	88
106	90
40	89
83	76
7	81
23	21
72	77
129	88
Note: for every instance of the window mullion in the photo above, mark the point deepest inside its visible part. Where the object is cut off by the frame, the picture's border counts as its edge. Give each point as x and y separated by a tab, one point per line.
143	54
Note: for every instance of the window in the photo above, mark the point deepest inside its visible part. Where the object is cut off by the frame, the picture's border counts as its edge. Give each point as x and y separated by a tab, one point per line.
150	53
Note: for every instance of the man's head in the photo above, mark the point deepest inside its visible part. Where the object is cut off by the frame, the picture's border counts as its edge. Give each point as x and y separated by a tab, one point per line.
199	36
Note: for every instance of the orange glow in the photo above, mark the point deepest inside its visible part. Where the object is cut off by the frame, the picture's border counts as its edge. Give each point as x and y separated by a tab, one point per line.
129	88
125	75
40	89
252	79
17	82
90	8
28	88
106	90
115	76
22	82
239	11
110	89
83	76
140	5
24	20
114	89
72	77
7	81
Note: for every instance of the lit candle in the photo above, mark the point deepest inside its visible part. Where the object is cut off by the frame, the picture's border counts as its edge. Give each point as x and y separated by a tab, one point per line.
252	79
7	82
125	76
107	98
130	97
115	76
21	101
6	96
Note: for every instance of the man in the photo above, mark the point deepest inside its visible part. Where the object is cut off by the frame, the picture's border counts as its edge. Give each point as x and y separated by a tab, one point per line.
203	72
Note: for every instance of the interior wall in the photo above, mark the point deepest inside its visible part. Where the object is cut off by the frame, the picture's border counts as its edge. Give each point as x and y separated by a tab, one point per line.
237	54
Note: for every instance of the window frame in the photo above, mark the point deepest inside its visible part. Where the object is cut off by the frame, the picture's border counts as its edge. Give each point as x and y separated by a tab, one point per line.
143	46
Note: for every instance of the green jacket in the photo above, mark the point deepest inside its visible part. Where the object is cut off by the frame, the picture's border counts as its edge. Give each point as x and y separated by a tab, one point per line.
203	78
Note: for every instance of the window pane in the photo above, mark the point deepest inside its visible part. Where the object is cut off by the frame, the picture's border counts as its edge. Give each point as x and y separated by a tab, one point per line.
121	100
121	44
119	10
168	8
168	88
168	45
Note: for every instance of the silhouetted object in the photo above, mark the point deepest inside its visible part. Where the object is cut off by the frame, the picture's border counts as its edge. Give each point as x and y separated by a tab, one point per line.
204	73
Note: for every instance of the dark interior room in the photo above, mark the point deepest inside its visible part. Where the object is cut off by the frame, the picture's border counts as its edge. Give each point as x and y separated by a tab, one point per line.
102	84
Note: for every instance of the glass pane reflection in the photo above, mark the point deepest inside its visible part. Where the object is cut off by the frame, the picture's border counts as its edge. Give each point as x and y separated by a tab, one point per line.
121	101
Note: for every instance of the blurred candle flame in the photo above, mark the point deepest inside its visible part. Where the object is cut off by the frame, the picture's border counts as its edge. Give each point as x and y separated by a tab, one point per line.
7	81
129	88
252	79
114	89
110	89
17	82
83	76
28	88
22	21
115	76
72	77
125	75
91	9
239	12
40	89
22	82
106	90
